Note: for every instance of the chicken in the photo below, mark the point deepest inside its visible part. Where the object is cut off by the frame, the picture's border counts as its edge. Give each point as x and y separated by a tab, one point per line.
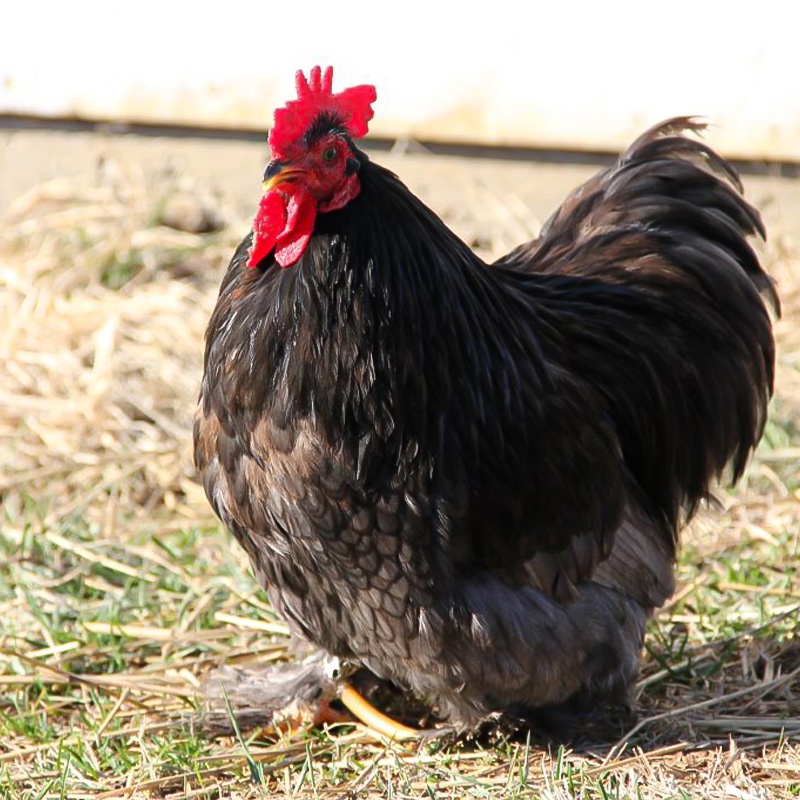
469	478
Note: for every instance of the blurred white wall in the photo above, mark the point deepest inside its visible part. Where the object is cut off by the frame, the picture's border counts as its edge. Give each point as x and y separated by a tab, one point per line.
563	74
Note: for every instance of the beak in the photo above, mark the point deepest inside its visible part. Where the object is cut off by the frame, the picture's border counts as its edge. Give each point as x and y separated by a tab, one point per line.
278	172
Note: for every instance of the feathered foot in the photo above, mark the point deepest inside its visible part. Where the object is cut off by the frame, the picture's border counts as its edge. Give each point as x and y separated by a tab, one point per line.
579	722
270	696
294	695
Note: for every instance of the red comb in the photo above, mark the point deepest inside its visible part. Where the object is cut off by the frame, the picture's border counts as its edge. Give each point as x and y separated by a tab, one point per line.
352	109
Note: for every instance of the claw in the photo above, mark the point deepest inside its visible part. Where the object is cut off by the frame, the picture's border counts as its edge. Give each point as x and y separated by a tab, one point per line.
366	713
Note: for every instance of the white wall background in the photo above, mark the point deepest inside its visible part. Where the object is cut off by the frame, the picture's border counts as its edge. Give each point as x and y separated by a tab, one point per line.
568	74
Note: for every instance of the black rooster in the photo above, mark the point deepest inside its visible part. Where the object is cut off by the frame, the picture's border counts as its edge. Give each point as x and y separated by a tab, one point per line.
467	478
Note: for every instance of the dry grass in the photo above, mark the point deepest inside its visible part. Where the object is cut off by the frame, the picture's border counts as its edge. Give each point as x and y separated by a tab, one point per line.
119	591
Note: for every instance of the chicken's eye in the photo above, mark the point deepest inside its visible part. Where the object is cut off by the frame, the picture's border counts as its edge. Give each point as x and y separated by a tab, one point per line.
329	154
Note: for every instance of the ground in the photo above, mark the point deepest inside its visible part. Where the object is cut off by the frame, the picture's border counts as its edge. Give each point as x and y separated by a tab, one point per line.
119	591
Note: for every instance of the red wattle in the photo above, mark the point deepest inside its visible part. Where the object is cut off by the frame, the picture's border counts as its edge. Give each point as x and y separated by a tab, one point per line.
269	221
301	211
284	222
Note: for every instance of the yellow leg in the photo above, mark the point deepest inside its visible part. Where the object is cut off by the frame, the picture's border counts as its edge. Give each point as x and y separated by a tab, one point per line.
365	712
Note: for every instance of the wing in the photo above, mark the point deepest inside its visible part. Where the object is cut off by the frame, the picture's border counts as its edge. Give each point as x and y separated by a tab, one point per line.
643	299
